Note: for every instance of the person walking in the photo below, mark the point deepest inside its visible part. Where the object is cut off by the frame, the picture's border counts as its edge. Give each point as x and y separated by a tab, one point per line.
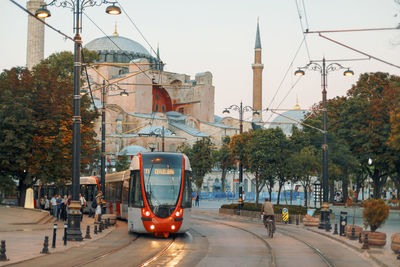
99	199
58	206
53	205
197	201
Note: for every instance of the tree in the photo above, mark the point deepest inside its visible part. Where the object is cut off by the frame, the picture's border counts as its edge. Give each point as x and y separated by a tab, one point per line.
306	165
36	128
224	159
200	159
368	111
122	163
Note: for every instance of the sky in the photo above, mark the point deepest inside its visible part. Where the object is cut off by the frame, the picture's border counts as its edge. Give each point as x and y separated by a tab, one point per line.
219	36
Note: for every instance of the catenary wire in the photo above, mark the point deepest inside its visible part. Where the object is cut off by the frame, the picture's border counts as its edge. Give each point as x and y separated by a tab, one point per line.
137	28
42	21
302	29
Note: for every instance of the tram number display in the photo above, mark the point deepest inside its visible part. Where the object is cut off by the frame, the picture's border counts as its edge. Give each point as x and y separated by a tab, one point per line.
159	171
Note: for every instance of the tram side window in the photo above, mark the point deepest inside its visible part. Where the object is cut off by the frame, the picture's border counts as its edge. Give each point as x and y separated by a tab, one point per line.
136	199
187	190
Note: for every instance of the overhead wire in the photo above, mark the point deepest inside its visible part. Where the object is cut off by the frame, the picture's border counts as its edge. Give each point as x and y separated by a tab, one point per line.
42	21
137	28
302	29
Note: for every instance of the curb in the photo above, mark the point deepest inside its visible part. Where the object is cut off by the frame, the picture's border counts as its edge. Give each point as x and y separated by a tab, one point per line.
376	260
61	251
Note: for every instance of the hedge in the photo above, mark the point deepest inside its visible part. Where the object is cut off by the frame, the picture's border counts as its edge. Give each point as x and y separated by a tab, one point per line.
293	209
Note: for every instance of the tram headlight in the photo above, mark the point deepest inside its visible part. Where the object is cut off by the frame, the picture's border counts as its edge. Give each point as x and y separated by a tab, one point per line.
147	213
172	227
152	227
177	214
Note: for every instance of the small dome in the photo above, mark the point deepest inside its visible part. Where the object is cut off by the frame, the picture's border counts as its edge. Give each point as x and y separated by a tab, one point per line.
286	124
116	43
132	150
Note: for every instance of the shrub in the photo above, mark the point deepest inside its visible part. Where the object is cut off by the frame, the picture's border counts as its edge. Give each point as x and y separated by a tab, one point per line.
294	210
375	213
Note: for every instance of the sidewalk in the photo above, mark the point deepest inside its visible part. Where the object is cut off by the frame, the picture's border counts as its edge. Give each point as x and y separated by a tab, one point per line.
382	256
24	231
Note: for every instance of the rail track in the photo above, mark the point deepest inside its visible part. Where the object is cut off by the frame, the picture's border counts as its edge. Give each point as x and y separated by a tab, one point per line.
272	255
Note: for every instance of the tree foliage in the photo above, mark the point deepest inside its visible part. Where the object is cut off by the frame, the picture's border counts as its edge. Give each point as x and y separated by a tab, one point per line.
36	123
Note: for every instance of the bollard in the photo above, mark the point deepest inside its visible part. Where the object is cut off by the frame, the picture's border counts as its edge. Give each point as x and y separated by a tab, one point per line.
95	229
297	219
3	256
353	234
327	227
398	256
45	249
290	219
108	222
335	232
105	224
100	227
65	234
365	245
359	238
53	244
87	236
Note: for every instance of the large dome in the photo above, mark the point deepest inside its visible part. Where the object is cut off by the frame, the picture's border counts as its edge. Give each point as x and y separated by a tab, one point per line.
116	43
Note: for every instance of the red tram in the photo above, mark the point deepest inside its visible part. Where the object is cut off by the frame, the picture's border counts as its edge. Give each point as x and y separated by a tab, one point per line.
156	195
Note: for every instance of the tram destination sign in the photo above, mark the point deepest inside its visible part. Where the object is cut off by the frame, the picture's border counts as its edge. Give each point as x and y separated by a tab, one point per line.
159	171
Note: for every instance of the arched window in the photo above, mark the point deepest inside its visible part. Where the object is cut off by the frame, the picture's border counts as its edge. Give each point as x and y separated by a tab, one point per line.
163	108
156	107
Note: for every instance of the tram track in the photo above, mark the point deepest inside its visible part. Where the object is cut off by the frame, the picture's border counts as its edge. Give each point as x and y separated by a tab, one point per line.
272	258
159	254
316	250
106	253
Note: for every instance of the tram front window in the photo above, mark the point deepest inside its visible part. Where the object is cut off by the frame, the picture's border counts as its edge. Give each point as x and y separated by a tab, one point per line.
162	182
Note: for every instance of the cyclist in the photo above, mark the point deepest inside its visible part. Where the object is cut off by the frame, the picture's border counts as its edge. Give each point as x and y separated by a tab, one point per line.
267	210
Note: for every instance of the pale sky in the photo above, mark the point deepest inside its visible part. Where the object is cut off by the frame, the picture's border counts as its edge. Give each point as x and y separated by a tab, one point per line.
219	36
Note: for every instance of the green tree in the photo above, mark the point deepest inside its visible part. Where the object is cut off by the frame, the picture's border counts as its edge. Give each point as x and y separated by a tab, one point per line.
36	128
224	160
122	163
200	157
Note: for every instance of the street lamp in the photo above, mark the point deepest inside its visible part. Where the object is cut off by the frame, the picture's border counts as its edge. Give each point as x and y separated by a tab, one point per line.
77	6
241	110
324	69
104	90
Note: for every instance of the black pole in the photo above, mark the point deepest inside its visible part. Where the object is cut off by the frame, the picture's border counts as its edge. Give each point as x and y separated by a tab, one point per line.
162	138
324	222
74	222
240	163
53	244
103	140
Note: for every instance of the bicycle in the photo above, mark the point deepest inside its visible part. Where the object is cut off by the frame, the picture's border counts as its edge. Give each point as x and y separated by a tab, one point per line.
269	224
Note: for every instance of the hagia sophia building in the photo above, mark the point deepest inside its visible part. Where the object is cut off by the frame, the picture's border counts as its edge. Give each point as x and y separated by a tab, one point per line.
148	108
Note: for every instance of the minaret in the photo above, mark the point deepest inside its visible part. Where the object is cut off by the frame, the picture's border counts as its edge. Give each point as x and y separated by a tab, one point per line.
257	77
35	40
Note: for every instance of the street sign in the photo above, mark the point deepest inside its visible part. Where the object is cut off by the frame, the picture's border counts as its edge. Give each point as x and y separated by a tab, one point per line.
285	214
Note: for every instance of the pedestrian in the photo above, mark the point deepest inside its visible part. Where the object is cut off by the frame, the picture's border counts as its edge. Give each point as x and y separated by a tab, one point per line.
58	205
97	215
197	201
64	206
82	200
42	202
53	205
46	203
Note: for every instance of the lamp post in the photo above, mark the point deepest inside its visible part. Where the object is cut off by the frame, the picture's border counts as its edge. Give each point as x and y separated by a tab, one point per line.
324	69
77	6
104	90
241	110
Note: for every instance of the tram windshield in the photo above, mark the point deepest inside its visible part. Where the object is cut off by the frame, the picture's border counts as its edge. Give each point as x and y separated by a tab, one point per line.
162	177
